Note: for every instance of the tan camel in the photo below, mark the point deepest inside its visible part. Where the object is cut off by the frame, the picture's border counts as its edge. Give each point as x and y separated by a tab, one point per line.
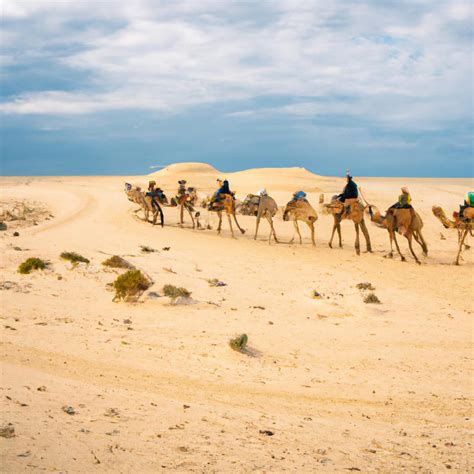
464	226
136	195
340	211
226	204
301	210
187	200
406	221
261	206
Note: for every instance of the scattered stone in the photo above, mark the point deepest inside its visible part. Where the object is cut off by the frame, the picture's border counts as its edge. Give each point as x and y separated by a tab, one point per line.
258	307
18	249
166	249
266	432
214	282
111	412
127	321
315	295
186	406
113	433
9	327
16	234
24	455
7	431
41	388
69	410
147	249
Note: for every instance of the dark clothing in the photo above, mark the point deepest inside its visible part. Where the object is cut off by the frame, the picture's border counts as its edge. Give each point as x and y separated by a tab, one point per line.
350	191
401	206
224	189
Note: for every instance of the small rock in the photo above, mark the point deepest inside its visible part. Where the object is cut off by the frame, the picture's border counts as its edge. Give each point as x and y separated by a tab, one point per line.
24	455
316	295
41	388
266	432
16	234
127	321
7	431
68	410
112	412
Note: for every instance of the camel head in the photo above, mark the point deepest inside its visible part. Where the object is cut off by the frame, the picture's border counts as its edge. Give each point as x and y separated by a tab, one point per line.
440	214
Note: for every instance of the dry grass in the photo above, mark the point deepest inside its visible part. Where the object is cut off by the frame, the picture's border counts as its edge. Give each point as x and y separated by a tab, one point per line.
239	343
31	264
175	292
365	286
372	298
74	258
130	285
117	262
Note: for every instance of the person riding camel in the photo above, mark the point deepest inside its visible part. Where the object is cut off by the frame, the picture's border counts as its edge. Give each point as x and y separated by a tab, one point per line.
154	193
404	200
223	190
182	187
468	203
350	191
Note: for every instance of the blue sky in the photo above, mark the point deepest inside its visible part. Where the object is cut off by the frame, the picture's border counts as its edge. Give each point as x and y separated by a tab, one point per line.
111	87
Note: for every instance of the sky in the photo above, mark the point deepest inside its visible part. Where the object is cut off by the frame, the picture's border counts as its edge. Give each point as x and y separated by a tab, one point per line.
97	87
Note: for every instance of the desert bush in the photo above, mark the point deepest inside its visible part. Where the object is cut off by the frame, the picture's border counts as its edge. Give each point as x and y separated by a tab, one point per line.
74	258
175	292
117	262
31	264
239	343
372	298
365	286
130	285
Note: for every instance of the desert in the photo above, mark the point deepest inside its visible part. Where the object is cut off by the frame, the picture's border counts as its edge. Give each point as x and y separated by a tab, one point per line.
326	383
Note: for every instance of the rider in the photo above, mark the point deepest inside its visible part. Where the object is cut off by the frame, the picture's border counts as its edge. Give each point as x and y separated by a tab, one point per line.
404	200
182	187
153	193
468	202
350	191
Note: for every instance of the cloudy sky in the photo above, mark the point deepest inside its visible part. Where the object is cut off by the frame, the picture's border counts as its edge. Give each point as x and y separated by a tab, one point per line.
383	87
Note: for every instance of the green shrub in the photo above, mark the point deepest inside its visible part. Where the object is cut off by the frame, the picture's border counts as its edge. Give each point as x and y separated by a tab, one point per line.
174	292
372	298
130	285
239	343
30	264
74	258
117	262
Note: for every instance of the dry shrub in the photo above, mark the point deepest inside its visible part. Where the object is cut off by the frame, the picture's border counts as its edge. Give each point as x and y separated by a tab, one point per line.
175	292
74	258
130	285
31	264
372	298
118	262
239	343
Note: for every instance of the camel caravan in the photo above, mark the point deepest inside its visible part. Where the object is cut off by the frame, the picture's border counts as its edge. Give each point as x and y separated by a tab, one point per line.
400	218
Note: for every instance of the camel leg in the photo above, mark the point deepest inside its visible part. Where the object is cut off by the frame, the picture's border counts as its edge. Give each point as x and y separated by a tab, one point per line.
270	221
339	234
365	231
219	227
391	245
181	214
295	222
256	227
311	226
409	238
191	216
242	231
394	236
461	243
162	216
230	225
357	241
336	226
423	243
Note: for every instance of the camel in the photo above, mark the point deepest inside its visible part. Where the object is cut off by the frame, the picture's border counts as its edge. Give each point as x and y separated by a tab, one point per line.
300	210
226	204
356	215
464	226
406	221
261	206
187	200
140	197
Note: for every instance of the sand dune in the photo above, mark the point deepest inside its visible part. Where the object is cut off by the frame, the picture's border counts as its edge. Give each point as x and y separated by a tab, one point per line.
333	384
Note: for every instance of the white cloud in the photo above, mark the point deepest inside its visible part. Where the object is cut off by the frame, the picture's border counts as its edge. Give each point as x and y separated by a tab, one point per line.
403	63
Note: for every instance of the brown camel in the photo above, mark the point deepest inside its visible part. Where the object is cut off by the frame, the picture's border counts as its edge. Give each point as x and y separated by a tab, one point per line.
225	204
464	226
301	210
136	195
406	221
261	206
187	200
351	209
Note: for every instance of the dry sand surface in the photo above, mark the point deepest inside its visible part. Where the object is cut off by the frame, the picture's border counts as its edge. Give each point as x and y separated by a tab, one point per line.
328	385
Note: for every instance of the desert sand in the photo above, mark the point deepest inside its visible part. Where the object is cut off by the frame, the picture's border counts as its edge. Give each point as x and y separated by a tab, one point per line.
329	385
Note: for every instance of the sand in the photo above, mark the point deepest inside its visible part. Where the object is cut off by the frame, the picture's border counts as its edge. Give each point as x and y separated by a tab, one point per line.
328	385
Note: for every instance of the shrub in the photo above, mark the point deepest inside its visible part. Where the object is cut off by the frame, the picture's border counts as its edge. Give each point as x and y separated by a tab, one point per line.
174	292
74	258
239	343
147	249
3	226
117	262
30	264
365	286
372	298
130	285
